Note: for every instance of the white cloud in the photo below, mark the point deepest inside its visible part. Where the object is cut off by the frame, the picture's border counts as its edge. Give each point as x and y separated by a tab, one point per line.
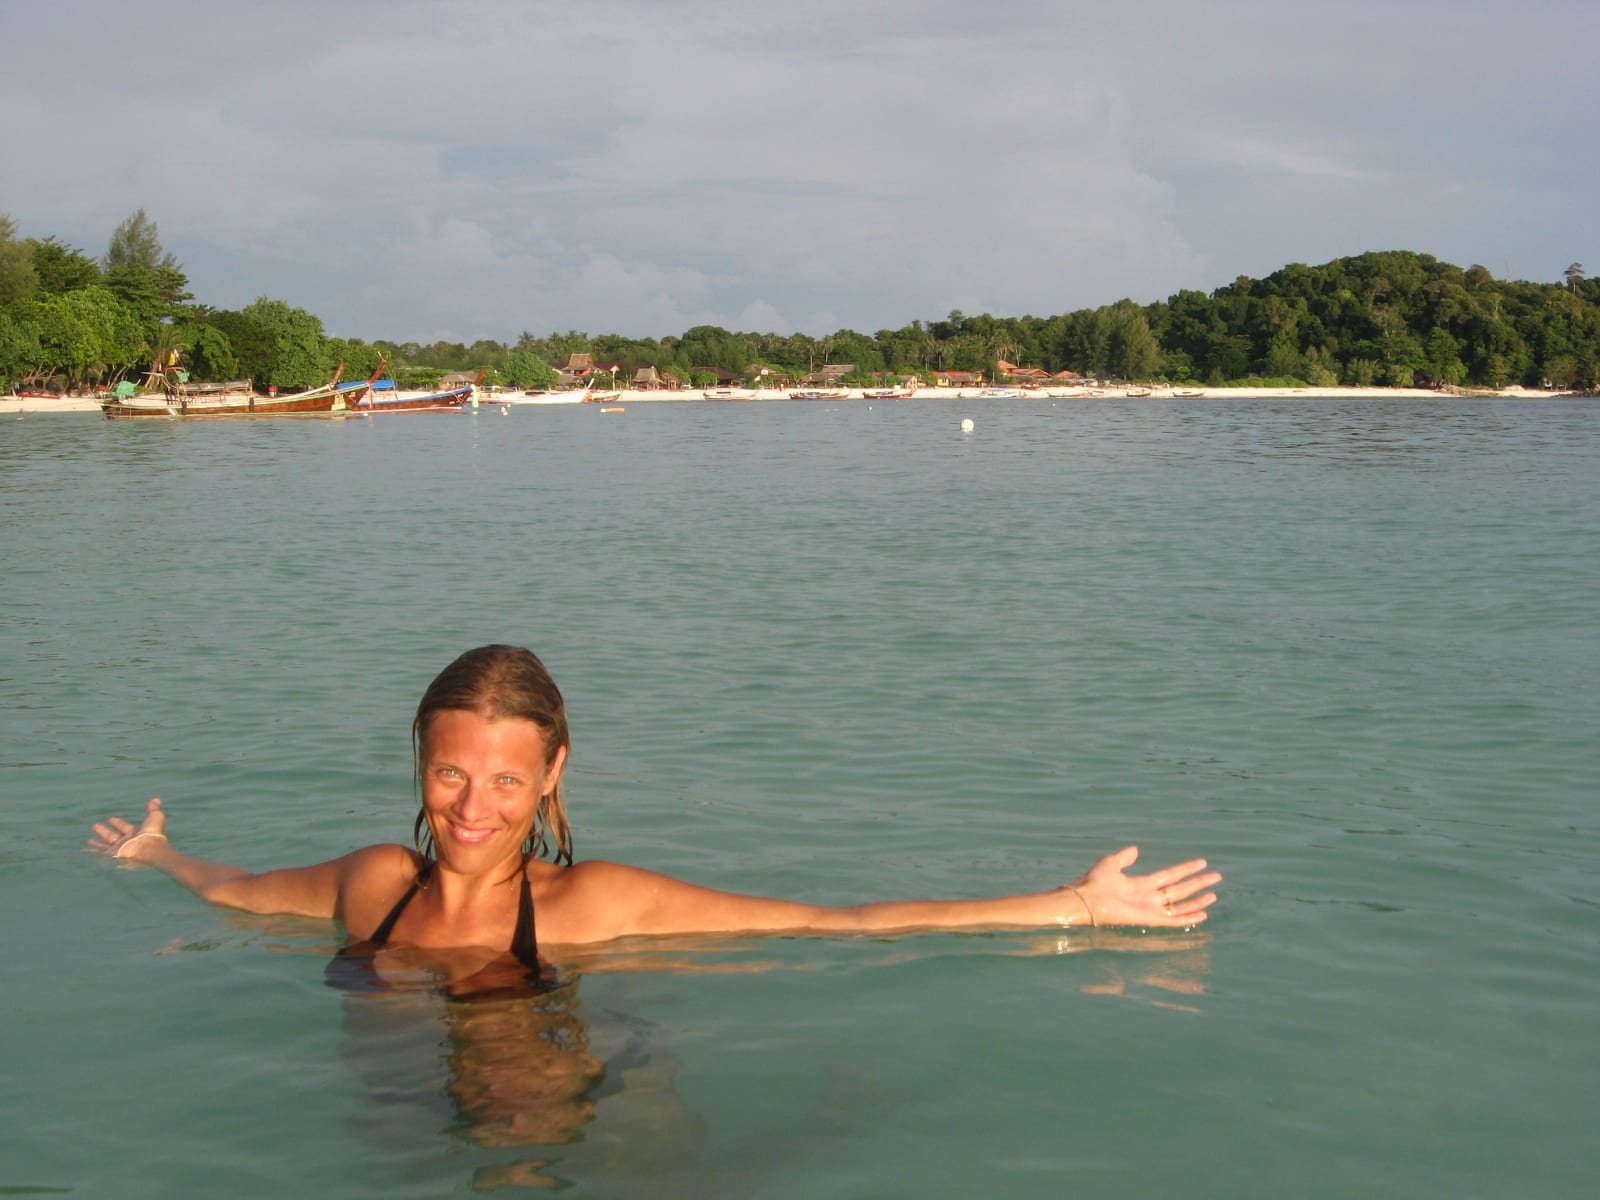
423	169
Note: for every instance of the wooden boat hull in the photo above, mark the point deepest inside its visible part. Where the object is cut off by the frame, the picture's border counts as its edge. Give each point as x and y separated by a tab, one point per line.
320	402
451	401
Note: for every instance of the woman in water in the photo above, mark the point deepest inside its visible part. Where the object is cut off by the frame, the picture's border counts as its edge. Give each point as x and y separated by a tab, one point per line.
493	848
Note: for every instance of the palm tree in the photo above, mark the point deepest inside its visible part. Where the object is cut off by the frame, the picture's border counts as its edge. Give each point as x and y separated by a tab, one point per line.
166	348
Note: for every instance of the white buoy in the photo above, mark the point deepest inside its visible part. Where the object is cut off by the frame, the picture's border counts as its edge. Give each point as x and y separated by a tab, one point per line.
505	410
966	425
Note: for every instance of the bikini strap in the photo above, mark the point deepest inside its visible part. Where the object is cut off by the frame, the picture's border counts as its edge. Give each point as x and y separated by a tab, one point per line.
525	942
380	936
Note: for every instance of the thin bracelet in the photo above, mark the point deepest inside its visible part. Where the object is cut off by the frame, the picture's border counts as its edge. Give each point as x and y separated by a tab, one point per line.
163	837
1092	922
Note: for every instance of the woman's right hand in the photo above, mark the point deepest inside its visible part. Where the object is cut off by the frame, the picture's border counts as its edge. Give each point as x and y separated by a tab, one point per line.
116	838
1174	898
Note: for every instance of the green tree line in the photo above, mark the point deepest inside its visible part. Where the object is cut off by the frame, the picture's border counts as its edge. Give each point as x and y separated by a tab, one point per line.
1393	318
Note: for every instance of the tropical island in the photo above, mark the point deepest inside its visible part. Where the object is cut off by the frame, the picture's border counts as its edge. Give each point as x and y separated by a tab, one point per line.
75	325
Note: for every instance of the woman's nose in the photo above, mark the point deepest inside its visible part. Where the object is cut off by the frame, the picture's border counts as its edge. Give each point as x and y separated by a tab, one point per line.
469	800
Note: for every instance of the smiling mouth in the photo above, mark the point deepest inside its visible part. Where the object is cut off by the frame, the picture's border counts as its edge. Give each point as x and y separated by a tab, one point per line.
471	836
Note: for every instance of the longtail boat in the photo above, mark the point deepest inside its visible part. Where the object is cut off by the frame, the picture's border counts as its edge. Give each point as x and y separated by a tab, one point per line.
379	398
181	401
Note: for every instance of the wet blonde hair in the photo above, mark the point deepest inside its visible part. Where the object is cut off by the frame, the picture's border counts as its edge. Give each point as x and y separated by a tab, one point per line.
499	682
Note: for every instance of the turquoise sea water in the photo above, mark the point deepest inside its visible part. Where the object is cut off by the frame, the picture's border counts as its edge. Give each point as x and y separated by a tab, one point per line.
1347	649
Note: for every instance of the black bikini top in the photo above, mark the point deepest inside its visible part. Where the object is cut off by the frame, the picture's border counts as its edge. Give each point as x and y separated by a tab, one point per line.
351	968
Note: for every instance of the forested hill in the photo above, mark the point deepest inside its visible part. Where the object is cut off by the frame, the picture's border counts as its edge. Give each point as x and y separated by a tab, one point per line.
1390	317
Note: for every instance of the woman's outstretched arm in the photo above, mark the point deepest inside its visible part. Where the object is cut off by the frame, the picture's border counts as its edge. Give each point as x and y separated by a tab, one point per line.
314	891
598	901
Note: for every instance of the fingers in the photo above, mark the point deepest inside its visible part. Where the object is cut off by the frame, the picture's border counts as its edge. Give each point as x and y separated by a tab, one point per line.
1192	910
1179	890
107	834
1182	914
112	835
1183	892
1171	875
1176	893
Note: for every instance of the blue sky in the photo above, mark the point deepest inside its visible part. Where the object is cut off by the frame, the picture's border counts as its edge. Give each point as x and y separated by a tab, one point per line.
423	170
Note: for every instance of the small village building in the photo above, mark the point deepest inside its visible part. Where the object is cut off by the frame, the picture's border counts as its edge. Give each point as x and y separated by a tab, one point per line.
1026	376
577	372
829	374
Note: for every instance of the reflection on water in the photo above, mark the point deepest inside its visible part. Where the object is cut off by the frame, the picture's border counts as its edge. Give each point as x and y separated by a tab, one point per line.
512	1073
596	1093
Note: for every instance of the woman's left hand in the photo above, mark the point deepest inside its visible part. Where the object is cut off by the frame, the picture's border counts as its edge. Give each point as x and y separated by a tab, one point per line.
1173	898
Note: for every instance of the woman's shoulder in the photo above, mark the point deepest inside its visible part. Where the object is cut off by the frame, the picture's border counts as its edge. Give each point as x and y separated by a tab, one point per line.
585	874
383	859
375	877
593	900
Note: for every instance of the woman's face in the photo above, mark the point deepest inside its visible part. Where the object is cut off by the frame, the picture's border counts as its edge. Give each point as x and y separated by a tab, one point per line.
482	780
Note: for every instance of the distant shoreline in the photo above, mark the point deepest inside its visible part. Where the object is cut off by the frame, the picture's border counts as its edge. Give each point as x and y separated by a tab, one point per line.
27	405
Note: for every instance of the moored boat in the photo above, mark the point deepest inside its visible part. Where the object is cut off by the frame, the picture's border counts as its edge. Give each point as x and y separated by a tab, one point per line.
184	401
546	396
822	394
381	394
389	400
379	398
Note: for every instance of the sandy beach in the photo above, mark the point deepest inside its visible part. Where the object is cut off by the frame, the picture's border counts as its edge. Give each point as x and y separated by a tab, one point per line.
28	405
